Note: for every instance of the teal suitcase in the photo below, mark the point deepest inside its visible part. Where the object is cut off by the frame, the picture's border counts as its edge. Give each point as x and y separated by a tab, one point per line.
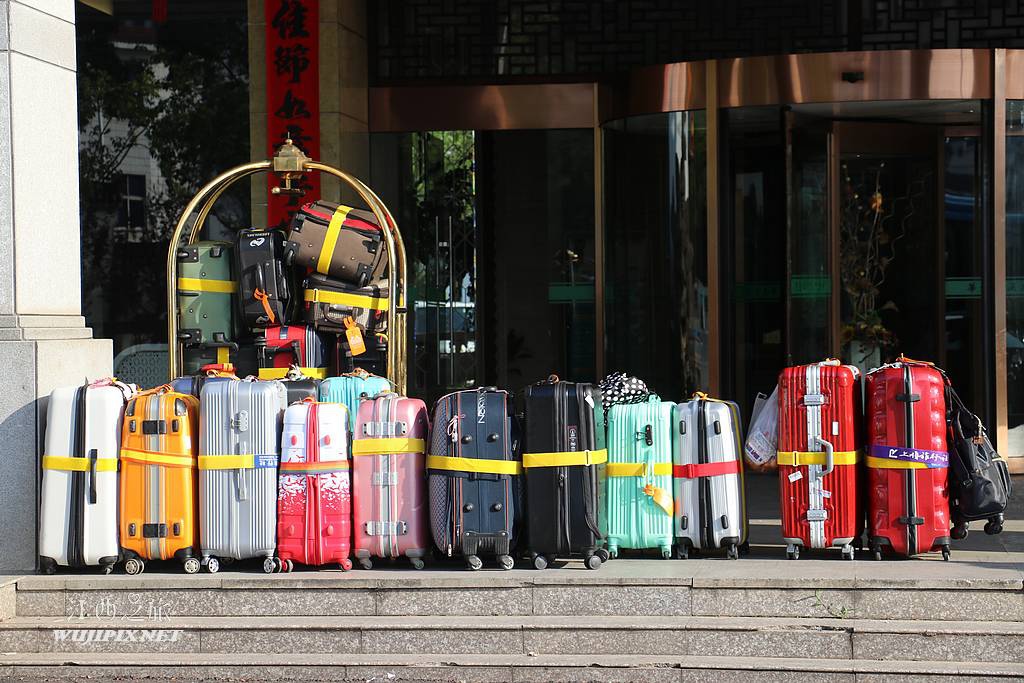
352	388
638	505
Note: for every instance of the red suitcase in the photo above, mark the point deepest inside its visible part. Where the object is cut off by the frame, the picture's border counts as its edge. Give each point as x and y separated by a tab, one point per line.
908	461
314	505
389	480
819	414
286	345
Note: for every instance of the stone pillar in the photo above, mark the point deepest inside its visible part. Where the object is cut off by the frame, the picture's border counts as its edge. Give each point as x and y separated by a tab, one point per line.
344	96
43	339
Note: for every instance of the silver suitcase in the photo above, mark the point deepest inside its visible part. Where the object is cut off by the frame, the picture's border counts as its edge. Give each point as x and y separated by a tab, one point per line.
239	442
708	477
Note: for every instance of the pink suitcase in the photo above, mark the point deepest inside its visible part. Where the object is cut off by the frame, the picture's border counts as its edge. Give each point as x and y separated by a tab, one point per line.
389	493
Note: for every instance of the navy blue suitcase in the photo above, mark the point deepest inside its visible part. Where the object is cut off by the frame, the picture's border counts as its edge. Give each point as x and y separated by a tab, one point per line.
474	469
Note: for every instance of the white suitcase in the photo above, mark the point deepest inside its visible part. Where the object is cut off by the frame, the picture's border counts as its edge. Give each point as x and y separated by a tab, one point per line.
239	445
707	477
78	508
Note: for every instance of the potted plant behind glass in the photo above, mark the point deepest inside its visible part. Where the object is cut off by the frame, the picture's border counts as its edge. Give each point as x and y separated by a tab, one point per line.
867	249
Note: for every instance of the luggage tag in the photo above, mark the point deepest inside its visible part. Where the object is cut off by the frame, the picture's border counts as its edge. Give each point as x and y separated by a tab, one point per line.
355	337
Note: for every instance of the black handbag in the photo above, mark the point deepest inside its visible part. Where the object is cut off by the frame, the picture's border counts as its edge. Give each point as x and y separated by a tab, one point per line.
979	480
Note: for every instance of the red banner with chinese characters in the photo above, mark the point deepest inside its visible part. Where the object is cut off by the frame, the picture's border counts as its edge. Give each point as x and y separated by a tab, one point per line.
293	94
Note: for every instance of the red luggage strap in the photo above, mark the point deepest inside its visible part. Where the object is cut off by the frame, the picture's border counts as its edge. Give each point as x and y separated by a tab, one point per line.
707	469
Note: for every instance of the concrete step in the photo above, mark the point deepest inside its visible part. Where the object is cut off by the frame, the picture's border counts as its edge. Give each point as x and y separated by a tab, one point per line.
818	589
316	668
677	636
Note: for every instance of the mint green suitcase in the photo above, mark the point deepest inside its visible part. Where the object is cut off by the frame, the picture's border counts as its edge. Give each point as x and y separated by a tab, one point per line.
638	505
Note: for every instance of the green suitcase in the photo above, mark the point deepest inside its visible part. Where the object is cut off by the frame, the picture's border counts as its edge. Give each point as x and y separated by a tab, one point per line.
638	505
206	292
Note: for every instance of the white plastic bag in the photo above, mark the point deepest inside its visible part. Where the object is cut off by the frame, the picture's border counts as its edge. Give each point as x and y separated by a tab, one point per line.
761	447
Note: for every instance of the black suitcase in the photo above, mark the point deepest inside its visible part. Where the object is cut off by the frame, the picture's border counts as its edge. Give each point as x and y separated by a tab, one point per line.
563	467
264	286
474	476
374	360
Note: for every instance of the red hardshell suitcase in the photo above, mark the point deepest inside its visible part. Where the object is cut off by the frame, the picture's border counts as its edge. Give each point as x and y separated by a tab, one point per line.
819	412
283	346
314	504
908	460
389	480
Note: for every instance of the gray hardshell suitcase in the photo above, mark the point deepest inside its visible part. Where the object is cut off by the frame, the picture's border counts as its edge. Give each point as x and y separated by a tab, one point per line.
239	448
708	477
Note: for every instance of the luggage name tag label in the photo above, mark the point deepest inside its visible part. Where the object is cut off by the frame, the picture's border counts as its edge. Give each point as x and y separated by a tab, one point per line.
826	494
355	337
796	476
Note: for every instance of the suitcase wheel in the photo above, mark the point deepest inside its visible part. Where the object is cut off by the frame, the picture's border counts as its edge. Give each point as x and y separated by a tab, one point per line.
474	562
682	552
603	554
213	565
107	568
506	562
593	562
271	565
345	564
945	553
134	566
666	553
191	565
733	552
847	552
417	563
365	563
793	552
876	552
540	562
287	566
960	530
993	527
47	565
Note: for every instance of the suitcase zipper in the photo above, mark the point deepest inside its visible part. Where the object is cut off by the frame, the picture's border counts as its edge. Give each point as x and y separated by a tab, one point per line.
707	529
910	478
76	523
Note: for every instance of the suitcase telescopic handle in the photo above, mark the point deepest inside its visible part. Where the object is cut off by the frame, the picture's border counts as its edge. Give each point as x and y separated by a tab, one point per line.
829	459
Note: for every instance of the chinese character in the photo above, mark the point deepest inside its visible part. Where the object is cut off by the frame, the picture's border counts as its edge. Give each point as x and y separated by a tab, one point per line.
293	59
292	107
290	20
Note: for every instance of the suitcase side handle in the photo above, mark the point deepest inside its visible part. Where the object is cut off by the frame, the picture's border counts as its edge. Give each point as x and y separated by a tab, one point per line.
829	459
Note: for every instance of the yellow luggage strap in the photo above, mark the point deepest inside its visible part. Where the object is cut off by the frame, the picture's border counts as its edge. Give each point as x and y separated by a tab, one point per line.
195	284
565	458
638	469
323	263
148	458
385	446
69	464
473	465
312	468
799	458
244	461
322	296
281	373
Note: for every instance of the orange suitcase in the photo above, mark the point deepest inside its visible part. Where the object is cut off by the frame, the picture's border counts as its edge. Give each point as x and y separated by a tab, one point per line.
159	479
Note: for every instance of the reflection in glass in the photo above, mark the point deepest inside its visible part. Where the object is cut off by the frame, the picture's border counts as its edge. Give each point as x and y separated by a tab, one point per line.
656	251
1015	275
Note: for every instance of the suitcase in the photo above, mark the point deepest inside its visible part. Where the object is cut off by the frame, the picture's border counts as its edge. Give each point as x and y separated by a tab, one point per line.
563	470
314	506
299	387
350	389
242	356
206	292
819	448
193	384
338	241
639	508
264	288
328	303
908	460
280	348
239	441
389	487
707	477
473	477
78	500
373	360
159	479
